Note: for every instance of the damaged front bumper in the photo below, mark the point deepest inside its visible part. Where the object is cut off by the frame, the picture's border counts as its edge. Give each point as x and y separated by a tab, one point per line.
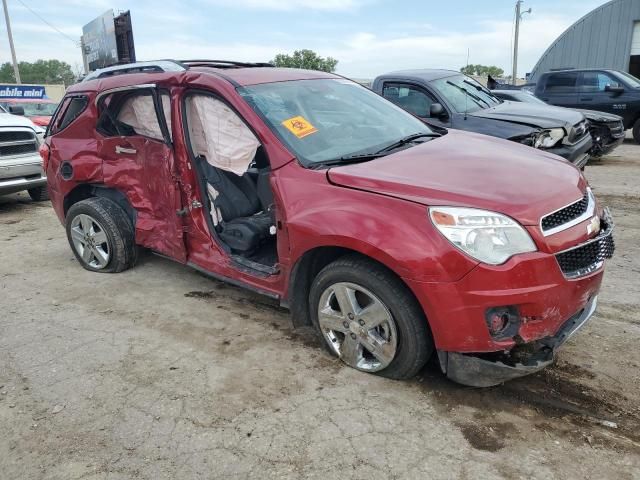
487	370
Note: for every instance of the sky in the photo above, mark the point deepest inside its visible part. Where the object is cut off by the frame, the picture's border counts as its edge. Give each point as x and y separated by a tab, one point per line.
368	37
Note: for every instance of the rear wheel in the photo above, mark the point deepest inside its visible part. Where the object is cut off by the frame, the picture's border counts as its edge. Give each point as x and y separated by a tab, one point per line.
101	235
636	131
39	194
367	317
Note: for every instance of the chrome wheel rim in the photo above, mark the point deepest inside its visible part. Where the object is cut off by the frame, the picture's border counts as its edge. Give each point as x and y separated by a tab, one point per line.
358	326
90	241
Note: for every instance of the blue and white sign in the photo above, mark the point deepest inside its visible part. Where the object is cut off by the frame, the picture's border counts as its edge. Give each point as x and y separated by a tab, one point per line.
22	91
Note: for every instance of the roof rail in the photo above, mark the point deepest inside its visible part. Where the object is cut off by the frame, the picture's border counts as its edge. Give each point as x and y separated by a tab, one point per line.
138	67
223	64
560	69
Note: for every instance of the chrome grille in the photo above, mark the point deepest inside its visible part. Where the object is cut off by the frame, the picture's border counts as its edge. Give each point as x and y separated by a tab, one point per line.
589	256
578	131
17	142
616	127
566	215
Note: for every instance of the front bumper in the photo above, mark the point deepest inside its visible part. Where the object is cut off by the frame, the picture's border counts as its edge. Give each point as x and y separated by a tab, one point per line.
578	153
21	173
607	143
478	371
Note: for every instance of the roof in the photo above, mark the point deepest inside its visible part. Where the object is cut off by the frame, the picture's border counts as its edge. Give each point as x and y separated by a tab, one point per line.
153	72
257	75
425	75
578	70
601	38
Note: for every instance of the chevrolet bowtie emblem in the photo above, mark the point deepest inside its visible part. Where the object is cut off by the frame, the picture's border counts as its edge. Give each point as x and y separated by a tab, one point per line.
593	226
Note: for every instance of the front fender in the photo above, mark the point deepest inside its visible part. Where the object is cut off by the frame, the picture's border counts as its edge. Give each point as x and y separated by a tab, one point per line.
395	232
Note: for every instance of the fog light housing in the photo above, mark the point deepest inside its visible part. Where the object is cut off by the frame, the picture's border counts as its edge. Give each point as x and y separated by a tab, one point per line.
503	322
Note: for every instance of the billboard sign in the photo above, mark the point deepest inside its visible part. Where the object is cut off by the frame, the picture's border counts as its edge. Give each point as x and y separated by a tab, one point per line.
22	91
99	37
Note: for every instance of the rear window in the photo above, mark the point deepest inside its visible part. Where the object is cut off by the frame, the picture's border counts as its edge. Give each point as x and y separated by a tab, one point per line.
70	108
561	83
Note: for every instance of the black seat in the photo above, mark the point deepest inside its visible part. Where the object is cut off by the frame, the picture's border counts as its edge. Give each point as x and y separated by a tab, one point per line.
245	222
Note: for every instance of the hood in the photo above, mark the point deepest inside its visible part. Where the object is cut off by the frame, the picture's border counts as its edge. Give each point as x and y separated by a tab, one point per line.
595	116
471	170
542	116
9	120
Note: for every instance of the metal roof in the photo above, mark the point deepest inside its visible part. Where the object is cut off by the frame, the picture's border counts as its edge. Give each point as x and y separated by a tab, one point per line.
600	40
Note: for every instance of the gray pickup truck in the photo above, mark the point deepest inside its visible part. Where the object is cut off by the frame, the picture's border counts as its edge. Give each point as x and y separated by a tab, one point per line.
20	162
449	99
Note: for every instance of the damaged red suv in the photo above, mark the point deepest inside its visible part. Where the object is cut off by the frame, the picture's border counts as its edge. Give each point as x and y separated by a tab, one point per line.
393	240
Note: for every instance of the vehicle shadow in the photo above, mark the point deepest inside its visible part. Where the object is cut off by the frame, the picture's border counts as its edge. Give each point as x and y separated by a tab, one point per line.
18	202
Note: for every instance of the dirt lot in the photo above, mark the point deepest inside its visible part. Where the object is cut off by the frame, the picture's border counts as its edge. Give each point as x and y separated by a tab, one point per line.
161	373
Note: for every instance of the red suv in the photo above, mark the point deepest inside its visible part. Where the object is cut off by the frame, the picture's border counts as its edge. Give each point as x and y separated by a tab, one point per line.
394	240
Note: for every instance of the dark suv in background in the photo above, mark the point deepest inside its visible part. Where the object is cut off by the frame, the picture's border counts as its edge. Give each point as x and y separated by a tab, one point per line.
608	91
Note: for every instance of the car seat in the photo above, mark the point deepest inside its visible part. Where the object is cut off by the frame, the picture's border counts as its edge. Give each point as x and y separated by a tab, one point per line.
225	150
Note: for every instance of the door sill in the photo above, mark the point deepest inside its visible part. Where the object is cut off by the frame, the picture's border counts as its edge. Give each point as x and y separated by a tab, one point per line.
233	281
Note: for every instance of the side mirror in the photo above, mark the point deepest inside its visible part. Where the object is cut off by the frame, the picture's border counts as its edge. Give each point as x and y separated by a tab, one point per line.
16	110
437	111
612	89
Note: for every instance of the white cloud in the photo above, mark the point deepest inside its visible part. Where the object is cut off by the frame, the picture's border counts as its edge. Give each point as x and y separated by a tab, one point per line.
362	54
284	5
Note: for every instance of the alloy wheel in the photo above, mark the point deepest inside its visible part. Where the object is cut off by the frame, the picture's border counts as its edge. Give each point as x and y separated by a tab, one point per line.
358	326
90	241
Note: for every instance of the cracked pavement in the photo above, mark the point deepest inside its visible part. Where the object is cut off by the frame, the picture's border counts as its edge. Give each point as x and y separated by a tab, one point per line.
159	373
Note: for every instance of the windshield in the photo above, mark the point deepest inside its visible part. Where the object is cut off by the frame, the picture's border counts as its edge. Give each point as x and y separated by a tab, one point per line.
465	94
327	119
35	109
631	80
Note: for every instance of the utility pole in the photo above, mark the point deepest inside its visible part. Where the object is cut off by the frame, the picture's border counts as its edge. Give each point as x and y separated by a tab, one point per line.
519	16
13	50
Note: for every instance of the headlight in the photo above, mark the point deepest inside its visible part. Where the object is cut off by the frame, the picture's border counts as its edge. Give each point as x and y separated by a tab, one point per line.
548	138
489	237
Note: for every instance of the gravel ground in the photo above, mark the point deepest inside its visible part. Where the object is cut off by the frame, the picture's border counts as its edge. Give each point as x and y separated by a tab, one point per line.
159	372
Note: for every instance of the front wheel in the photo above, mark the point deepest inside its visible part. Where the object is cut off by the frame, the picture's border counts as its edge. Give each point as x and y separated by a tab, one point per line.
101	235
368	318
636	131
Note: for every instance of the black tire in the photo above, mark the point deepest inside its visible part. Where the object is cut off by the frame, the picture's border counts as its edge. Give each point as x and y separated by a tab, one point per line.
118	228
39	194
415	344
636	131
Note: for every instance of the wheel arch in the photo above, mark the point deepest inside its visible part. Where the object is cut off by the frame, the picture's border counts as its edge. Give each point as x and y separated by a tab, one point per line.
84	191
307	267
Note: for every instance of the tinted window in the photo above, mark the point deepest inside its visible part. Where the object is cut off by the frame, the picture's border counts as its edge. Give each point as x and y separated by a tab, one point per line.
597	82
561	83
70	109
412	99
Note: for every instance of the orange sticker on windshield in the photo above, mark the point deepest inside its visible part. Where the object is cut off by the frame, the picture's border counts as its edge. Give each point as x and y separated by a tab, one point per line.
299	126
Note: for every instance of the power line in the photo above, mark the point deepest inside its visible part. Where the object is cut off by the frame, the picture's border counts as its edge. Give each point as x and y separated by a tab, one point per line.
75	42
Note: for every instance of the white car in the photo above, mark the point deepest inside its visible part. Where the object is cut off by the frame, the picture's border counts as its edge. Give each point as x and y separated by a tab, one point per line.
20	162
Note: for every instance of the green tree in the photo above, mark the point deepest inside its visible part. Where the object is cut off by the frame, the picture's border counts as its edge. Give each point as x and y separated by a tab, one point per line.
307	59
482	70
40	71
